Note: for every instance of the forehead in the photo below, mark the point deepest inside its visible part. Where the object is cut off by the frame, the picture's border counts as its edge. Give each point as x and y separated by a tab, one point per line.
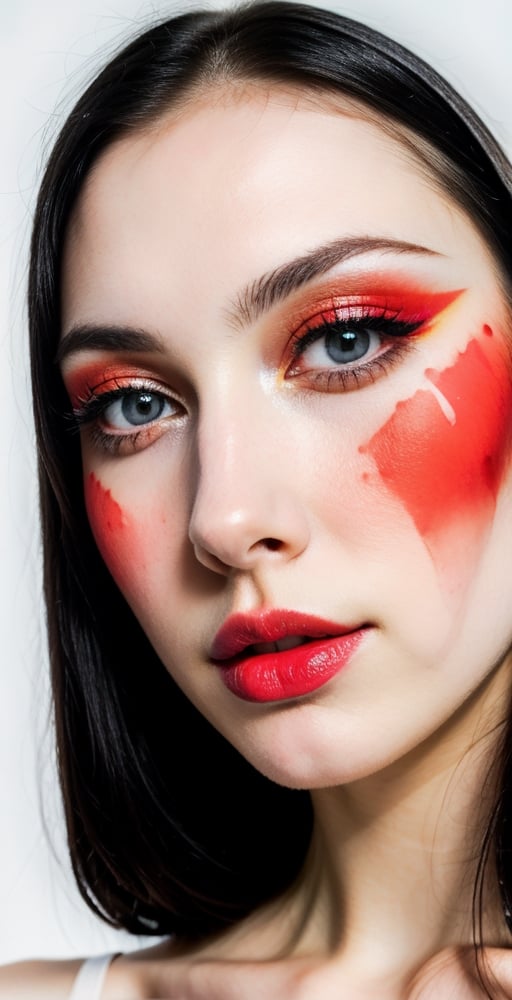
251	141
231	187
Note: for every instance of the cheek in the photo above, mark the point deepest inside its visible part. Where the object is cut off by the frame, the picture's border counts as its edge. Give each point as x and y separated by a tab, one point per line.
110	526
120	539
443	452
139	541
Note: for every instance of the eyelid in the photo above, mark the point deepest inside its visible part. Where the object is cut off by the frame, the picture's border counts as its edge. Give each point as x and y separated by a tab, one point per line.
96	377
111	388
96	380
394	328
392	295
355	310
388	325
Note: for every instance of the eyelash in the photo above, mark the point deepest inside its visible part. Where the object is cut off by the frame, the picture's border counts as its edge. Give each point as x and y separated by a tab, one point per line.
385	323
95	404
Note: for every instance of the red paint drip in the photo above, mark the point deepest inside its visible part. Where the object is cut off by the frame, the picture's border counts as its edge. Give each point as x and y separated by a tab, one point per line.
108	524
440	469
107	511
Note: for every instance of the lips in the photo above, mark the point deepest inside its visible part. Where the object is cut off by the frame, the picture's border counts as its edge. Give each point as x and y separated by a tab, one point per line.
277	655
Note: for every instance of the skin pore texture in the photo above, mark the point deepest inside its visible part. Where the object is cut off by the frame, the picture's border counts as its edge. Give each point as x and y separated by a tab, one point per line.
330	440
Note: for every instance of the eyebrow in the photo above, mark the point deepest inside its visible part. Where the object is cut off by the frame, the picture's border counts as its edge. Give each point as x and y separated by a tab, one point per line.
271	288
256	298
109	337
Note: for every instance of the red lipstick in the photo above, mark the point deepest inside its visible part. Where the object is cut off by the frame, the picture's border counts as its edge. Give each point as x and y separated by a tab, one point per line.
276	655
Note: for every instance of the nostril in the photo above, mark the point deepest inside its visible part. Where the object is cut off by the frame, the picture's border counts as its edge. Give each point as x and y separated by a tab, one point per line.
272	544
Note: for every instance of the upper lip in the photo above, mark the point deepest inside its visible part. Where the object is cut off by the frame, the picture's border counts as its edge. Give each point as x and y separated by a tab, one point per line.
242	630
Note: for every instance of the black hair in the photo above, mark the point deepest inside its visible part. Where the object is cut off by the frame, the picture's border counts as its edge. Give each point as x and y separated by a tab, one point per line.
170	830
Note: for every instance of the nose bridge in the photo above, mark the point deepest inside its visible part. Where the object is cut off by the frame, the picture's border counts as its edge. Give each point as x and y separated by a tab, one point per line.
243	507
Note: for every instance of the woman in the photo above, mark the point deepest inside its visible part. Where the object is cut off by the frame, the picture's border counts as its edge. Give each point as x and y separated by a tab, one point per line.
270	288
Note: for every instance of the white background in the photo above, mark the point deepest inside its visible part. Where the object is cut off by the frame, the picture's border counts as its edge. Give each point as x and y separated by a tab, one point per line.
47	49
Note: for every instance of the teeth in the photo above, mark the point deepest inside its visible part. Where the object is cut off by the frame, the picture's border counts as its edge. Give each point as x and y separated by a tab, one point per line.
289	642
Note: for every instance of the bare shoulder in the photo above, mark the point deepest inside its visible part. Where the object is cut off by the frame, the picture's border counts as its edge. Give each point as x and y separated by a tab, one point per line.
202	973
149	973
38	980
468	973
128	979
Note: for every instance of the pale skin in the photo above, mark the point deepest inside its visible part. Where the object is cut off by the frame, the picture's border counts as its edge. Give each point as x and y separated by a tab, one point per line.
251	446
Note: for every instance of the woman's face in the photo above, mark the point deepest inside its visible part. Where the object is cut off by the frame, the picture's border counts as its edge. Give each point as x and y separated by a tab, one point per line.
287	351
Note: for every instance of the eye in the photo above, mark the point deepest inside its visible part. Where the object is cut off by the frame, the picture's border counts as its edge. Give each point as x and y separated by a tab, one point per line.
341	345
347	348
135	409
125	419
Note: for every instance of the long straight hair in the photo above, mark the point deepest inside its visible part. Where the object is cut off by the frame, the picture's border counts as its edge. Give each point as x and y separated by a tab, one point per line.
170	830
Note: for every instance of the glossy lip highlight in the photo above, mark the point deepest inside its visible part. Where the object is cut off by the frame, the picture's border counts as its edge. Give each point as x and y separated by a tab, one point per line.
281	674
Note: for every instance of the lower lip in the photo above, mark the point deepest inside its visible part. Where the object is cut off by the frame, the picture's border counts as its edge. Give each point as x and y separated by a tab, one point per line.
292	672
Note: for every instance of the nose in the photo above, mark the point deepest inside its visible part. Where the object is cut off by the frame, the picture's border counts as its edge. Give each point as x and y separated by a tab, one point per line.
248	507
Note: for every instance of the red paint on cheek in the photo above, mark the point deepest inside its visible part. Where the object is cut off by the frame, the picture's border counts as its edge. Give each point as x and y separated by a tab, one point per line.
443	457
109	526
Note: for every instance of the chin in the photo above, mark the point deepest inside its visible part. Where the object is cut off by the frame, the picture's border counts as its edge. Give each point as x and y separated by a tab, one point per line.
308	753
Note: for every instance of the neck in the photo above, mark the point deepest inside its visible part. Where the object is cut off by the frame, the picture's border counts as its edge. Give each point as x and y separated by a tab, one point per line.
391	873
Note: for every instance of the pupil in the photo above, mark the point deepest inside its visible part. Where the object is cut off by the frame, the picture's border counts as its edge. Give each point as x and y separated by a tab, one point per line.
347	345
144	404
347	341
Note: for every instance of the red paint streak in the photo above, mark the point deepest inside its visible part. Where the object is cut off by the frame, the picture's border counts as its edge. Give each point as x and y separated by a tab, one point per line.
108	524
438	469
391	297
106	509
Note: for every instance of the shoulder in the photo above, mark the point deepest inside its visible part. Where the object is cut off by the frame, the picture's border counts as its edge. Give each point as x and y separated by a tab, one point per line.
38	980
463	972
133	977
148	973
185	971
76	979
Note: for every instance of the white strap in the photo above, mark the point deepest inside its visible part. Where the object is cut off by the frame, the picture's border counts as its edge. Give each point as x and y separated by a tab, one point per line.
91	976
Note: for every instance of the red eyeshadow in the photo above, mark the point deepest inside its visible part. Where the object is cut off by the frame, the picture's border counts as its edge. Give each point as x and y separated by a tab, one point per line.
438	468
80	383
387	297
